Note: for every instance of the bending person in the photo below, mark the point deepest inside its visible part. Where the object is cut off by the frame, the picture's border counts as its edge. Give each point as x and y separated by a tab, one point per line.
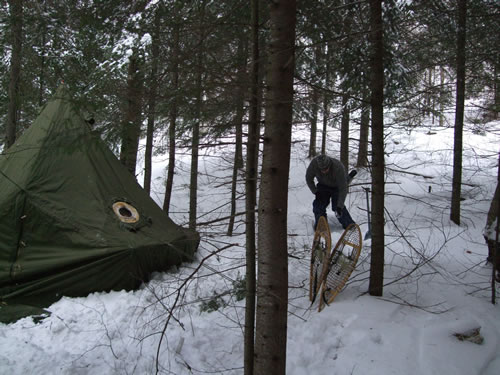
332	182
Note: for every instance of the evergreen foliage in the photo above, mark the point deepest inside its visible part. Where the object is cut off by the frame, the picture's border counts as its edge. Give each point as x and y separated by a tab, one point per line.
87	45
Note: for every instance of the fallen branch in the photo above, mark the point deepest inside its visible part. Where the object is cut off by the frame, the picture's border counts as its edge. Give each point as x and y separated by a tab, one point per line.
424	308
412	173
178	294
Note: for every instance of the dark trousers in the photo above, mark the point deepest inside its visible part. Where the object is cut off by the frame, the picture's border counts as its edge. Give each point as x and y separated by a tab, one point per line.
323	197
491	253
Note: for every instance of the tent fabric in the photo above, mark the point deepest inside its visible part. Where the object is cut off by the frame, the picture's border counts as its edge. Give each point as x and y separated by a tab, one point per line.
66	225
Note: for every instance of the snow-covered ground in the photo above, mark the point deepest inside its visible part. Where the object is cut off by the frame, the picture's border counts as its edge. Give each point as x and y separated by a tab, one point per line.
438	283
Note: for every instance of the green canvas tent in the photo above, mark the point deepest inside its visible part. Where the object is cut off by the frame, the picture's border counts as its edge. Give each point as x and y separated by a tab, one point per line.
73	220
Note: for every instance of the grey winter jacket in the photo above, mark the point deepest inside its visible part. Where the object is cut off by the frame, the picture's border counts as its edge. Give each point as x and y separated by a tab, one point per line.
336	177
492	218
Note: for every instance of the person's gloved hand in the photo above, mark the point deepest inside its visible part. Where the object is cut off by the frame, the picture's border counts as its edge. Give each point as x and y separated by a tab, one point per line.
338	212
351	175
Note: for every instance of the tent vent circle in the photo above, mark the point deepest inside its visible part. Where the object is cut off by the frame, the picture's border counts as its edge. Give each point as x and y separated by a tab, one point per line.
126	212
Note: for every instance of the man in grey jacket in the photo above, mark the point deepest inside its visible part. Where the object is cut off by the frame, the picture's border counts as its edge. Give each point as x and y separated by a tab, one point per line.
490	233
332	185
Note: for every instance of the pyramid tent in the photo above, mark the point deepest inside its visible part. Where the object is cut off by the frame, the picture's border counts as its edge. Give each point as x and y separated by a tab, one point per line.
73	220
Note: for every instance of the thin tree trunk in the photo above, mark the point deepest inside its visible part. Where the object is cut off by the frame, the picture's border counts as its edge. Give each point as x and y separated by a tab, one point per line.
441	97
315	106
16	22
234	184
363	137
314	122
251	190
496	250
344	122
459	114
173	120
433	96
41	88
193	186
378	163
238	124
326	111
326	101
344	132
496	89
272	286
132	121
171	159
428	94
240	96
153	88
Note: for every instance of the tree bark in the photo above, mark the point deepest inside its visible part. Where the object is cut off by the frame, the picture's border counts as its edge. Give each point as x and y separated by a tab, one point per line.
430	85
314	122
132	122
344	132
441	97
41	76
251	189
378	163
16	22
459	114
238	124
496	88
272	286
496	220
326	101
193	186
153	88
241	91
234	184
363	137
173	120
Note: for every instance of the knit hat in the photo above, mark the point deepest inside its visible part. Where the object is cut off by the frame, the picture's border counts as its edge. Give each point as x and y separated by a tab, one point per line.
323	162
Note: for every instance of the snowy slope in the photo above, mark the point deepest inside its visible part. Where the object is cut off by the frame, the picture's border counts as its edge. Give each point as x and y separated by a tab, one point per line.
438	283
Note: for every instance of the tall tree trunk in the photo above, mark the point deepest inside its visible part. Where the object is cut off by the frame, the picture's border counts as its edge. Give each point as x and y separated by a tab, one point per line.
314	122
496	88
132	121
428	94
16	22
251	189
432	100
496	250
363	136
459	114
193	186
326	100
173	120
441	96
153	88
241	91
41	77
326	112
344	132
378	163
315	103
272	284
234	185
238	124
